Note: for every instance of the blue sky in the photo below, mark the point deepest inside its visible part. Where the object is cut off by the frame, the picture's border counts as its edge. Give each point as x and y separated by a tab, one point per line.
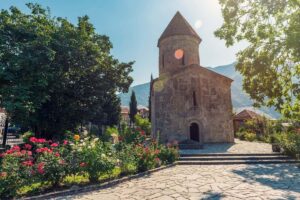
134	27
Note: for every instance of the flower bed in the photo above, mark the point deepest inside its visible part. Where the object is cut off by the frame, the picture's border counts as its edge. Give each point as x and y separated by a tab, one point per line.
43	164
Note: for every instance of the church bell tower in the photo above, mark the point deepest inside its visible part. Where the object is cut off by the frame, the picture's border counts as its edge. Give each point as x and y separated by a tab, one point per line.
178	46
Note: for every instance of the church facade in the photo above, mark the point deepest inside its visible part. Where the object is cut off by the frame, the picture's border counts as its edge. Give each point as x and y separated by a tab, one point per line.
188	102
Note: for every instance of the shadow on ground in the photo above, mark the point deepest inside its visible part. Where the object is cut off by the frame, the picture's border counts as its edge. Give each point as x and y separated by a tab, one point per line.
277	176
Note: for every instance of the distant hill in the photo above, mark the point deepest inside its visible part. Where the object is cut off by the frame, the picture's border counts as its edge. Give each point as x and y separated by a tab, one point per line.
240	99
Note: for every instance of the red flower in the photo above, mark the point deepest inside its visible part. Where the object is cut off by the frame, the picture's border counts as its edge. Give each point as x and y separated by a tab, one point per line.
40	168
36	140
120	138
57	154
143	133
28	146
45	149
3	174
83	164
28	163
15	148
65	142
54	145
156	159
33	139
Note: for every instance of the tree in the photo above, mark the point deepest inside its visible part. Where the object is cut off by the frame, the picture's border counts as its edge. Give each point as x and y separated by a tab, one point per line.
150	94
271	63
55	75
132	108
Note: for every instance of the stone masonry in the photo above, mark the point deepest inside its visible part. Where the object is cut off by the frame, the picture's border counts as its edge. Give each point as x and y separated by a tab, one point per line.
189	102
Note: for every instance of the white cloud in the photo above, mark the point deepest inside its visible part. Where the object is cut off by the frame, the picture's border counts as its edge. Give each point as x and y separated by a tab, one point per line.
198	24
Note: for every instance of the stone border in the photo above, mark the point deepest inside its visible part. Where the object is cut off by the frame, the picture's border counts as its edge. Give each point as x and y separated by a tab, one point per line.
90	188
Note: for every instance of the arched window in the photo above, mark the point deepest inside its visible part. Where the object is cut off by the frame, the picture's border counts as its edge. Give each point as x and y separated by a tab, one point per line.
194	99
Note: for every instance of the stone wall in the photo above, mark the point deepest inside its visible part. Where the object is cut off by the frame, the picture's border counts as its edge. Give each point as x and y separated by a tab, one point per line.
174	108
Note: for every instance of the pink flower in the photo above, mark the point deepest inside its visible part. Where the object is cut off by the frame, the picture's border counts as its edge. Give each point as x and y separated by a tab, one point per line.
57	154
15	148
143	133
54	145
157	160
27	146
40	168
3	174
157	151
33	139
28	163
44	149
65	142
83	164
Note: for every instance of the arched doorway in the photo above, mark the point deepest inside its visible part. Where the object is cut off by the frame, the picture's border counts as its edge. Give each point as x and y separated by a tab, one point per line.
194	132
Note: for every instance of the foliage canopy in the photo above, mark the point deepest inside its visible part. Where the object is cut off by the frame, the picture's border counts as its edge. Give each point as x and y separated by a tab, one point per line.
54	74
271	63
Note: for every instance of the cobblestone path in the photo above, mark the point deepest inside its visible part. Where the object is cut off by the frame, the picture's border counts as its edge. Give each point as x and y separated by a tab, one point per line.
273	181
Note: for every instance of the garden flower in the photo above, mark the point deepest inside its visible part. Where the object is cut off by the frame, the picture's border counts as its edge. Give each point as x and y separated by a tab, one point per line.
57	154
65	142
76	137
27	146
83	164
3	174
40	168
28	163
157	151
54	145
143	133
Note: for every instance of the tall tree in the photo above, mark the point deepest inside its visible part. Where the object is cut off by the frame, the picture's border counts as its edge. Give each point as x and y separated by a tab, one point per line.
150	94
132	108
55	75
271	62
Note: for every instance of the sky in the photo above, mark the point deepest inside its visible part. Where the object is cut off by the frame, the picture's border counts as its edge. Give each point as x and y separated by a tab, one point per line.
134	27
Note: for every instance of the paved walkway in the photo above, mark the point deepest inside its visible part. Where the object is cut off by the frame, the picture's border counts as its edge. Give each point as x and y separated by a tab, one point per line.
207	182
238	147
271	181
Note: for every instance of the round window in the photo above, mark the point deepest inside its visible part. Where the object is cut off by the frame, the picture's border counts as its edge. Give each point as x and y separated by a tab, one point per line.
179	54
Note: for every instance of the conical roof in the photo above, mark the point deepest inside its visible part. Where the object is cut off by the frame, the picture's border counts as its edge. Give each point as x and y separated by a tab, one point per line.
178	26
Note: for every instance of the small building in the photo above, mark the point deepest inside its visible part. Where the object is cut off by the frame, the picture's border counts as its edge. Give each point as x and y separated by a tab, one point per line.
143	111
241	117
125	114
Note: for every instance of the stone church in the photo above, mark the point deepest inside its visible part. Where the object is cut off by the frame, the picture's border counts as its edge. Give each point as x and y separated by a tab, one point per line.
189	103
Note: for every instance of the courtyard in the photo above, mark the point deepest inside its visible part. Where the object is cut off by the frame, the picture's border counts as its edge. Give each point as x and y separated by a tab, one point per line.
277	181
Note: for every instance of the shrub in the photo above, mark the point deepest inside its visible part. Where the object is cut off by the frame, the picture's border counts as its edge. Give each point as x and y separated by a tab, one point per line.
127	158
96	158
250	136
290	142
144	124
16	171
168	155
240	135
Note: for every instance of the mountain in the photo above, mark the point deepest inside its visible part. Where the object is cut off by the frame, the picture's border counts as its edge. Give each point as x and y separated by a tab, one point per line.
239	98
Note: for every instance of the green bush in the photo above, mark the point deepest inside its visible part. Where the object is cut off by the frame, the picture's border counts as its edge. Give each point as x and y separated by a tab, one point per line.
290	142
144	124
96	158
240	135
250	136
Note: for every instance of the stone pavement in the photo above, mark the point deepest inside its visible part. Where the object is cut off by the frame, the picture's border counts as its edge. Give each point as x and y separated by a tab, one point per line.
273	181
239	146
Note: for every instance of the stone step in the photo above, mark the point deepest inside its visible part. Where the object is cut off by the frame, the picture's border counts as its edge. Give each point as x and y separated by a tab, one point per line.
228	154
236	162
207	158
